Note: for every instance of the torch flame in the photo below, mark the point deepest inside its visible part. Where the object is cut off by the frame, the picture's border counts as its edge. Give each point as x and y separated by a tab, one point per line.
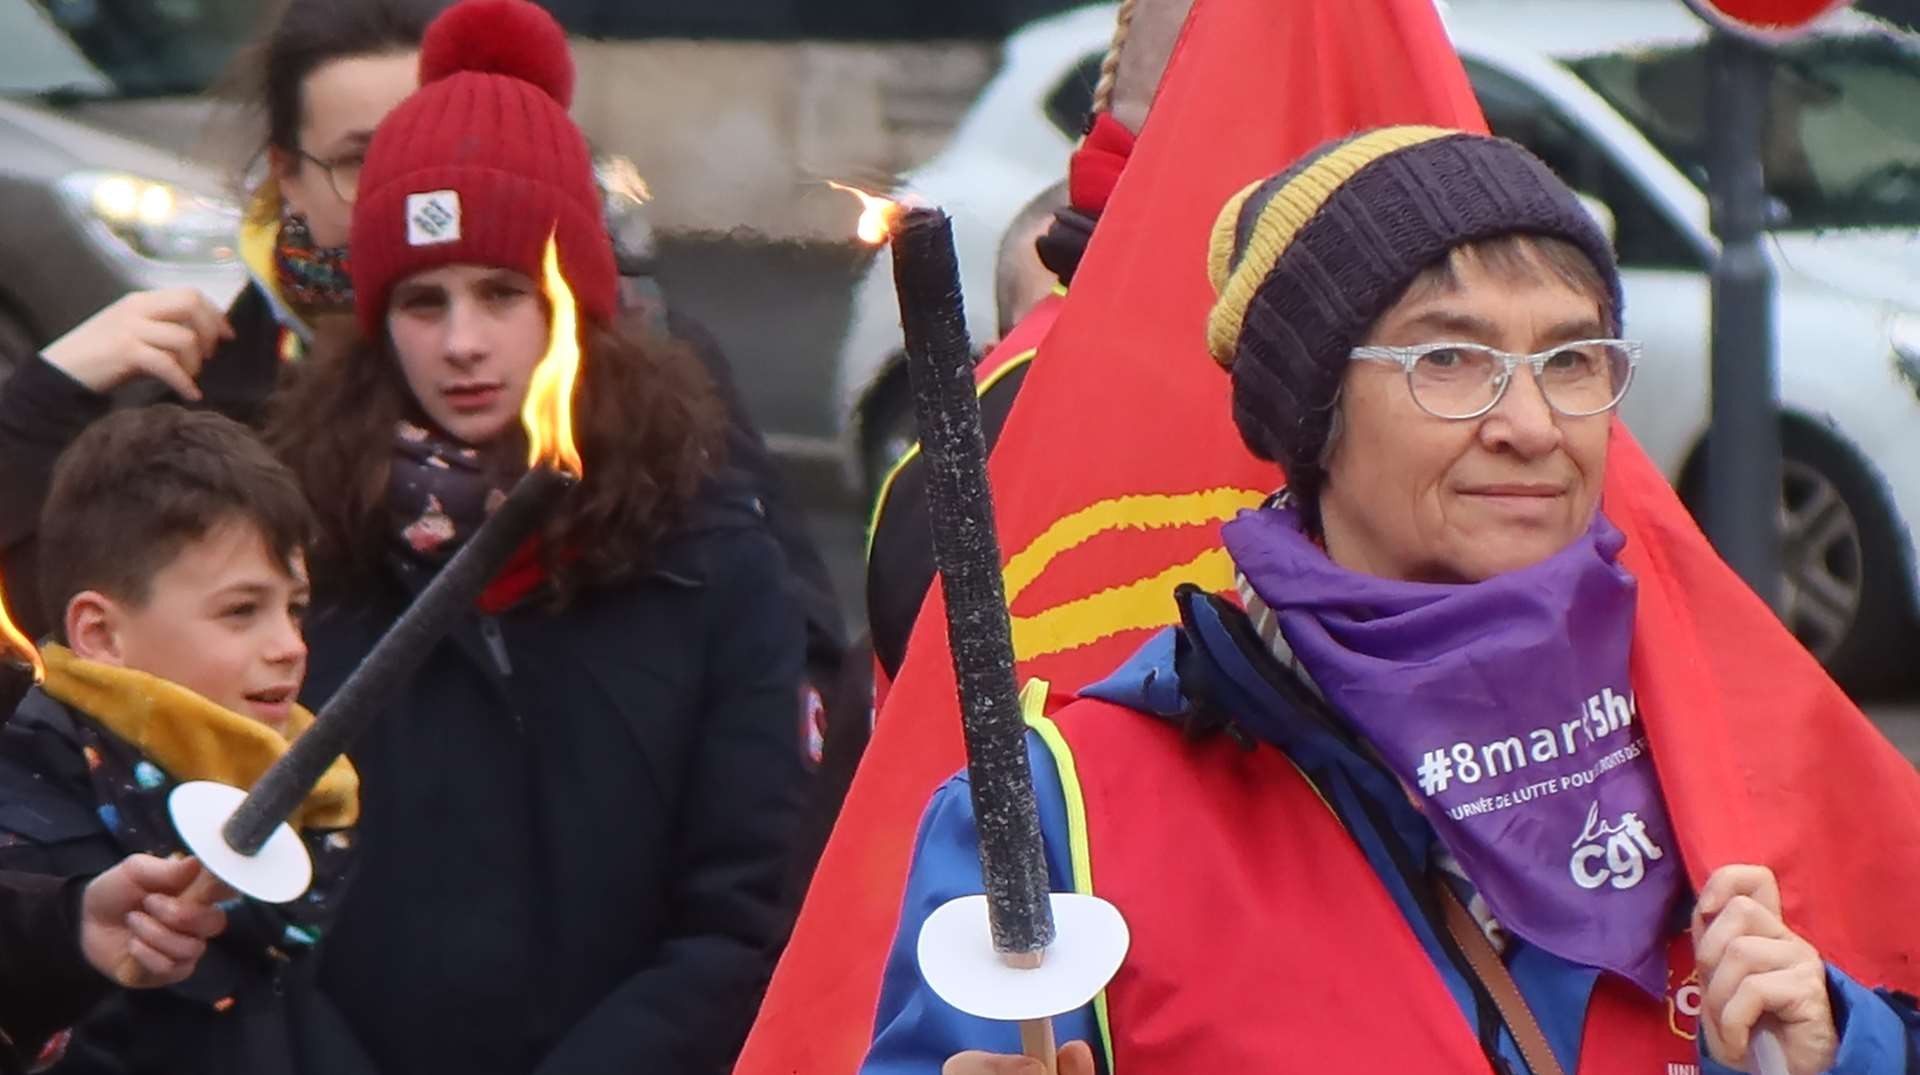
548	411
876	214
12	639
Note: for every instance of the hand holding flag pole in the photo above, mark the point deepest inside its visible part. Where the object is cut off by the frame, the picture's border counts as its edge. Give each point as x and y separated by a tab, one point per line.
1019	953
243	836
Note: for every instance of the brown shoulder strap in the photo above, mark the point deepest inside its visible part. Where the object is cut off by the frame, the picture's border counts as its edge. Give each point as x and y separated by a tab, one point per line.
1493	974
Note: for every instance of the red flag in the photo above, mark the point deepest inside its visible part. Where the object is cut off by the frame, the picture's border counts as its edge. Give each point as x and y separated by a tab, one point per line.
1762	759
1120	460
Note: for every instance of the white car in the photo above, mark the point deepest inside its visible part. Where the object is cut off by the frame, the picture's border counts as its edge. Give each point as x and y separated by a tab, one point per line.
1013	143
1611	93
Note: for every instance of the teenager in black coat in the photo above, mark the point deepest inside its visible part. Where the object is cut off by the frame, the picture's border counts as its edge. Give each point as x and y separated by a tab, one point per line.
576	816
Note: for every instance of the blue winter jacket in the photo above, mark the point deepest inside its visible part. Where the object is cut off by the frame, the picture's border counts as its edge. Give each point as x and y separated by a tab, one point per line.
915	1032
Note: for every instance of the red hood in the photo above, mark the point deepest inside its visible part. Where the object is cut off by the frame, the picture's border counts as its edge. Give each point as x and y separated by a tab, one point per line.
1096	166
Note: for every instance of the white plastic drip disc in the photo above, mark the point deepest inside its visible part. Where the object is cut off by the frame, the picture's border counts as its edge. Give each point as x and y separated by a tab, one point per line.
279	873
959	964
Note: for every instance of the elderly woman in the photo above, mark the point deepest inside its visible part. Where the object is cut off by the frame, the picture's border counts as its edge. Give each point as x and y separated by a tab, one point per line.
1431	836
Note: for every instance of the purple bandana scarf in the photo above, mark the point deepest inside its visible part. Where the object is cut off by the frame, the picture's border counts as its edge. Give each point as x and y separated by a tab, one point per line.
1505	708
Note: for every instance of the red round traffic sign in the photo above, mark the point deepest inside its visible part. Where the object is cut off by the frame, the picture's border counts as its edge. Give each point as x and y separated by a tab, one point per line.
1769	17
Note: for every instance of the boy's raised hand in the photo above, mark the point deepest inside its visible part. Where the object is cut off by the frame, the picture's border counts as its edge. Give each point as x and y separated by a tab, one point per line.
1076	1058
166	334
146	921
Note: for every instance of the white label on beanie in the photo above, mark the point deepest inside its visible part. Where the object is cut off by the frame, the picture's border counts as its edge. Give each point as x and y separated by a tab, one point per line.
433	217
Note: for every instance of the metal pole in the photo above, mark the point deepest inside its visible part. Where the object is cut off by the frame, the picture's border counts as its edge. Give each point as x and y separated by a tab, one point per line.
1743	448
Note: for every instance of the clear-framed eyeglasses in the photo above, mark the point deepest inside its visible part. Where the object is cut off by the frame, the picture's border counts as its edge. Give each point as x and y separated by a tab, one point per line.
1466	380
343	174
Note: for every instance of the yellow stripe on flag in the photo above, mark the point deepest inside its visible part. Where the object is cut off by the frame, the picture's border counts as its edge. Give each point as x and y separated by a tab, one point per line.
1143	511
1141	604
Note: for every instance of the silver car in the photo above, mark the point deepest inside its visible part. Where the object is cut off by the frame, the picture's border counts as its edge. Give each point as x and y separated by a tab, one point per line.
88	214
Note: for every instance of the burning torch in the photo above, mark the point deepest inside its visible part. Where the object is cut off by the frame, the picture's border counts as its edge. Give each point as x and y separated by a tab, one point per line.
20	665
1019	953
242	837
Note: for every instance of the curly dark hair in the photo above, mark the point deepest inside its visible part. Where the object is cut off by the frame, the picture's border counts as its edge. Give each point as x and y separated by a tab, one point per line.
647	417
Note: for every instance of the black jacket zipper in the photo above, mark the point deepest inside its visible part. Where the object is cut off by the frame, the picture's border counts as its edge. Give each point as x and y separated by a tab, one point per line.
496	645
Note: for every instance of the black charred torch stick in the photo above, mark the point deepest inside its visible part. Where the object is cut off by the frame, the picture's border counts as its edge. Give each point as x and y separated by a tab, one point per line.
282	788
966	550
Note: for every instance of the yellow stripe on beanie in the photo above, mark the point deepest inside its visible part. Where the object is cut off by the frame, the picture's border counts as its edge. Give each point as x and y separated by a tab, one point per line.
1221	247
1238	273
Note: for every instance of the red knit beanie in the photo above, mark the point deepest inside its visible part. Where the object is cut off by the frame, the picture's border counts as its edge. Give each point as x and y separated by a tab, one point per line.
481	164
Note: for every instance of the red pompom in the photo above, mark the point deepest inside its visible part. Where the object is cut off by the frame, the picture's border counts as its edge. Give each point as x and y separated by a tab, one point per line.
516	38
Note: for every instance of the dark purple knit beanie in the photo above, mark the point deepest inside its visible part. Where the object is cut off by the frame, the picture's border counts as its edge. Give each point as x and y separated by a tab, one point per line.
1306	261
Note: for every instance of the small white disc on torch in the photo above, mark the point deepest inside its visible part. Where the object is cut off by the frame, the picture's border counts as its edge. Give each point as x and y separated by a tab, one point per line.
279	873
960	966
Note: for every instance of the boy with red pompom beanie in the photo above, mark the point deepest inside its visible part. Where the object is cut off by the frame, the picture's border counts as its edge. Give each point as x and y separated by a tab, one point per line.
486	138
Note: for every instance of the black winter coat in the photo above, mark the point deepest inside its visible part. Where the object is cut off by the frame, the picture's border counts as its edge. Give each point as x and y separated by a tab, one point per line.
75	800
45	981
900	555
574	825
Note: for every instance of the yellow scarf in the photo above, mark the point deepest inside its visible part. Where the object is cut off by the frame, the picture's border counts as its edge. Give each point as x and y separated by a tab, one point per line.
191	738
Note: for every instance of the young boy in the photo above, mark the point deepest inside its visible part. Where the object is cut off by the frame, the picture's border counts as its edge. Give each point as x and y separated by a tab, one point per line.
176	574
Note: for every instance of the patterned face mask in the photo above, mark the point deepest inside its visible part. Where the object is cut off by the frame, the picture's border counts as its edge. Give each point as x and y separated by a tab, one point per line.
311	277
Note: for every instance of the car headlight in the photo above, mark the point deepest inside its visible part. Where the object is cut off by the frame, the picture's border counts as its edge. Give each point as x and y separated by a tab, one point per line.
1903	334
156	220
